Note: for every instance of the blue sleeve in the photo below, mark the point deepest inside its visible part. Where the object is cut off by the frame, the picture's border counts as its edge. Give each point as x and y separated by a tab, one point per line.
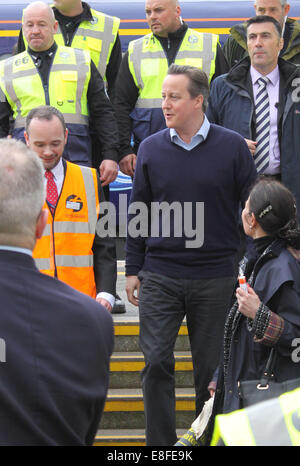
212	107
246	173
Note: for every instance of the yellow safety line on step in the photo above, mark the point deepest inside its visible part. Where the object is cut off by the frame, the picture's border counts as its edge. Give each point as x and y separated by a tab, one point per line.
127	329
131	406
135	366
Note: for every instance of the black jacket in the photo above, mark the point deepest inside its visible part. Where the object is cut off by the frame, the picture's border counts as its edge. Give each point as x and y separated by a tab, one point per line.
100	110
58	344
231	105
277	283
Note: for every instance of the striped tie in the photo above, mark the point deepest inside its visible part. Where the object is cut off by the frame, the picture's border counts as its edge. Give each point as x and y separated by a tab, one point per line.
262	113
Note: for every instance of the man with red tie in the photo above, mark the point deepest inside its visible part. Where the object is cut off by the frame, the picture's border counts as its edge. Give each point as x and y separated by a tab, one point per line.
70	248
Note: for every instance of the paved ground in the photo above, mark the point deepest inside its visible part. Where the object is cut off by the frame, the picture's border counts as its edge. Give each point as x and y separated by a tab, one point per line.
131	311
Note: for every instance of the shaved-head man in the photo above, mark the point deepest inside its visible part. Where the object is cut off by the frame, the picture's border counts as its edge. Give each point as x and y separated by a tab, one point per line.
54	72
144	67
39	26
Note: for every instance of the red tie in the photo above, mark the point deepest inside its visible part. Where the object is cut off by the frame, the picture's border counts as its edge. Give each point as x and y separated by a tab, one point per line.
52	194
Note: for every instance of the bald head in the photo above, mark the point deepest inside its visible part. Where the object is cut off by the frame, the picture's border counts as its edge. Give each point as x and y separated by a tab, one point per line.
39	26
163	16
40	7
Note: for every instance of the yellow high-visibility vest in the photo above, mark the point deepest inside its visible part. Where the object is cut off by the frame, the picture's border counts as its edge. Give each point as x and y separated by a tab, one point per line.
98	37
275	422
69	78
65	249
148	63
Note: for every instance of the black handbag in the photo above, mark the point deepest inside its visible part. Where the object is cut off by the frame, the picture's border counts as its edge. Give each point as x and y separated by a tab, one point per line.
255	391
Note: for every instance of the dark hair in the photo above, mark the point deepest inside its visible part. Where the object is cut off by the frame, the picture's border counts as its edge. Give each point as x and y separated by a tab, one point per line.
198	81
265	19
275	210
44	112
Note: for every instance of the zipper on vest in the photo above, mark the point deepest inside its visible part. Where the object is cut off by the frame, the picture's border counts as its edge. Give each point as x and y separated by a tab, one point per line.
46	91
46	85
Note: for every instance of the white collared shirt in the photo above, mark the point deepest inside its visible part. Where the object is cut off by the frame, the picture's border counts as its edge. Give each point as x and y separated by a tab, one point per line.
199	137
16	249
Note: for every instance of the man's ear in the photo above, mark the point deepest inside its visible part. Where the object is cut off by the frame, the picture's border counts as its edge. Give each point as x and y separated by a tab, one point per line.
286	9
66	135
55	27
26	138
199	101
281	43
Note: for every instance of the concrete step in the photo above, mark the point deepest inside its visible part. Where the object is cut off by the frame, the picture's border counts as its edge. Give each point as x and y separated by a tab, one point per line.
127	335
120	437
124	409
124	437
125	369
123	420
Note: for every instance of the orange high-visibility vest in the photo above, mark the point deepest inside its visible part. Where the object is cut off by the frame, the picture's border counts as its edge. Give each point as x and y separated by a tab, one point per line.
65	249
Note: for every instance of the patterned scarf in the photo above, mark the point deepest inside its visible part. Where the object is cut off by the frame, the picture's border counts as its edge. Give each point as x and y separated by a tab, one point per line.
234	314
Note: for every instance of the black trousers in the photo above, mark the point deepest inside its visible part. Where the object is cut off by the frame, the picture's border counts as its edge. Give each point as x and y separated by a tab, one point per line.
163	304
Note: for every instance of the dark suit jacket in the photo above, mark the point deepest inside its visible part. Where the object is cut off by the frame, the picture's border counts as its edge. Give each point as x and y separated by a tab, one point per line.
56	345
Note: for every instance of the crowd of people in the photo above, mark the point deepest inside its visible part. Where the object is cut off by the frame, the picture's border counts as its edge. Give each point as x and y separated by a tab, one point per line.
208	134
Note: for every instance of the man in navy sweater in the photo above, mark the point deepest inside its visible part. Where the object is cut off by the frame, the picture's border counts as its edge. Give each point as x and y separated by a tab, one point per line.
189	182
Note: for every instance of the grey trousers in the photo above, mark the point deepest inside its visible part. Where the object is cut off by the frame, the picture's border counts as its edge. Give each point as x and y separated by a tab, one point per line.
163	303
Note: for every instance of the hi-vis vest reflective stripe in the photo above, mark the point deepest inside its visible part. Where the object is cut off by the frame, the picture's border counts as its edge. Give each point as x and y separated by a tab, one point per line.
148	63
65	249
67	90
275	422
98	37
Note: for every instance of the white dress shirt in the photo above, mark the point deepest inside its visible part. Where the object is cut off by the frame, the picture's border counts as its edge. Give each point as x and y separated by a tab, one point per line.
199	137
16	249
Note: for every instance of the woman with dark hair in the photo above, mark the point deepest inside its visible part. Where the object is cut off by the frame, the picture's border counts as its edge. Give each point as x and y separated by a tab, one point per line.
267	314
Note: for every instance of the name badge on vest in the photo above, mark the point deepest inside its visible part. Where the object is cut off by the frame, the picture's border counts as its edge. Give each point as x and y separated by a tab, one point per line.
75	206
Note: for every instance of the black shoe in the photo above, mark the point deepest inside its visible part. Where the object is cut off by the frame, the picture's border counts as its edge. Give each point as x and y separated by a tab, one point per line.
119	306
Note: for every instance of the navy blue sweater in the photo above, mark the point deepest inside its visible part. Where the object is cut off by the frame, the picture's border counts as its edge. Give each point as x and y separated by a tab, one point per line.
218	173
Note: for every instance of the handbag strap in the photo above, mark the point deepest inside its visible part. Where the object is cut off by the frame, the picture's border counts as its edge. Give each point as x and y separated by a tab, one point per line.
268	372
